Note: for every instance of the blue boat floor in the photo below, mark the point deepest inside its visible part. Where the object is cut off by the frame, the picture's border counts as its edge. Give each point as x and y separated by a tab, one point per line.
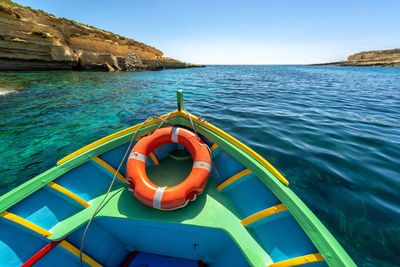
152	260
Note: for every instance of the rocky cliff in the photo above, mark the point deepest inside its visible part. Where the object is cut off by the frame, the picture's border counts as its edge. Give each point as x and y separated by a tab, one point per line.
383	58
35	40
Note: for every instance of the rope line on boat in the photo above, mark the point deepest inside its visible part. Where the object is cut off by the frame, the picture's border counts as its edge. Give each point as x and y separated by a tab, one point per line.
113	180
159	126
191	122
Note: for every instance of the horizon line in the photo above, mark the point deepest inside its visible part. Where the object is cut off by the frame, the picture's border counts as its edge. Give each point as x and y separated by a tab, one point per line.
257	64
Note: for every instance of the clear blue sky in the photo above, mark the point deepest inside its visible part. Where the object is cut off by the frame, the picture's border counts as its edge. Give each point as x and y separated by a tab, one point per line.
243	32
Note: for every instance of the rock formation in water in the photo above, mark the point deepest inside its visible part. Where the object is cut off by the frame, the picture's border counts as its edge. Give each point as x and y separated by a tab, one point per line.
35	40
382	58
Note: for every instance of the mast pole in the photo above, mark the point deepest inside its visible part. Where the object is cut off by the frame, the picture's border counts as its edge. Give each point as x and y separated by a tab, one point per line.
179	98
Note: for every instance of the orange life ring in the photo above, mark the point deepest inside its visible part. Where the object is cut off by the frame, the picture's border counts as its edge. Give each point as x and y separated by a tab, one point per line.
168	198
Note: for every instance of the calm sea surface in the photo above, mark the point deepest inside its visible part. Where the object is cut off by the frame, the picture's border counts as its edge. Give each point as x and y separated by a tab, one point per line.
334	132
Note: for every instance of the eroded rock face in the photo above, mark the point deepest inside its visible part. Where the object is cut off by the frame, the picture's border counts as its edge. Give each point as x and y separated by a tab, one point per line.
23	46
89	60
33	40
382	58
133	63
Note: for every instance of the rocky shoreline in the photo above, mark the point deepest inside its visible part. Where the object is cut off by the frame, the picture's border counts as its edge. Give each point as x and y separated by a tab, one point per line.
35	40
379	58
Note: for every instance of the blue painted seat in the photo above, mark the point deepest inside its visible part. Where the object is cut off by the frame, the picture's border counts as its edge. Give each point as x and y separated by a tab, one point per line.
45	208
13	243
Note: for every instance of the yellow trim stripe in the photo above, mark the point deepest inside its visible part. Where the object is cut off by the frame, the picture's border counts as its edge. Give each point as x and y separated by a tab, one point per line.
262	214
153	157
298	261
213	147
69	194
30	225
109	168
75	251
209	126
233	178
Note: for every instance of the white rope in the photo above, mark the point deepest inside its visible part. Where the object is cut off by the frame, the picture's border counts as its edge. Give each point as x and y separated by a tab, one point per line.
159	126
191	122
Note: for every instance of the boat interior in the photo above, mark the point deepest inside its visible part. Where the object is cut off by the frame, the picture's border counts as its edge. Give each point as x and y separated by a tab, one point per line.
236	221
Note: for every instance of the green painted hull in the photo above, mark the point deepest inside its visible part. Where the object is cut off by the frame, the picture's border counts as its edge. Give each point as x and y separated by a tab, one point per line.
213	210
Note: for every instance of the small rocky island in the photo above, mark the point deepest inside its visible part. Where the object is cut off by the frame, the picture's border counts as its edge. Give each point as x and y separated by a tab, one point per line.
380	58
35	40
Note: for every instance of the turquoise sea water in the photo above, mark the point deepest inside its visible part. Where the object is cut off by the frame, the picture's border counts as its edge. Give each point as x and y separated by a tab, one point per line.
334	132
